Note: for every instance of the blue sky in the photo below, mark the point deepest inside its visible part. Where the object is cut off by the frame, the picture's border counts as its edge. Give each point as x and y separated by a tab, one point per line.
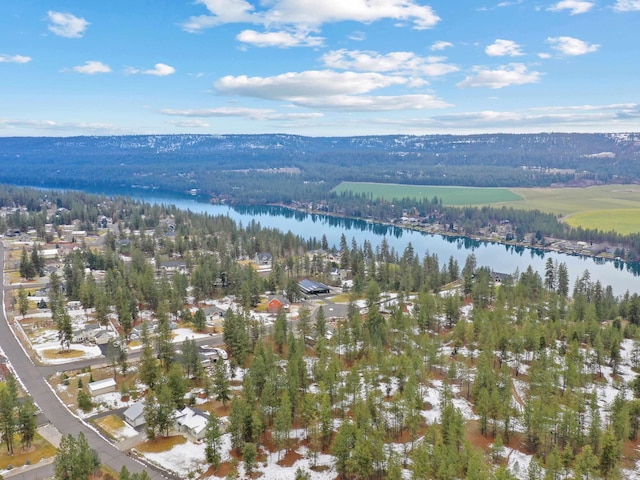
318	67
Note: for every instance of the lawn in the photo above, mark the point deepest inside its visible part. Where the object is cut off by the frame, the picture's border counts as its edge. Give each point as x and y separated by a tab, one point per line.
40	449
449	195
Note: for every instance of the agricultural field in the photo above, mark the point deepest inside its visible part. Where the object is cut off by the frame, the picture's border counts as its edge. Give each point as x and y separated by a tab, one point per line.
454	196
605	207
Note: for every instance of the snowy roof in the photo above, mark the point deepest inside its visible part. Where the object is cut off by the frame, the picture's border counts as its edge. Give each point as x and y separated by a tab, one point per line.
135	410
100	384
192	420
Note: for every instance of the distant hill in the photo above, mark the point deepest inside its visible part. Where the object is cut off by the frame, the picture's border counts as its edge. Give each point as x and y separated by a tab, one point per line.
224	164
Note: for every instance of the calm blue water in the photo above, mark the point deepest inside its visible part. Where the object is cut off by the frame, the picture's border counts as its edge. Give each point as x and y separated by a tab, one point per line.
500	258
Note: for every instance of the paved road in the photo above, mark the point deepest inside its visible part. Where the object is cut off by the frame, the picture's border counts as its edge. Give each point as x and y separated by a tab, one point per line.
32	377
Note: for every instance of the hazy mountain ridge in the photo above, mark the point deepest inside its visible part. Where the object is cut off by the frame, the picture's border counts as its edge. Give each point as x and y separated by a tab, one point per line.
553	143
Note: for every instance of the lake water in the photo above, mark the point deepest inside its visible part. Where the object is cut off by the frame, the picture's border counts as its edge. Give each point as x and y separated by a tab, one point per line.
500	258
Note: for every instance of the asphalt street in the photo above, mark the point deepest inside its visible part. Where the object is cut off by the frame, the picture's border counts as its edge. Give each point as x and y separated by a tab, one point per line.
32	377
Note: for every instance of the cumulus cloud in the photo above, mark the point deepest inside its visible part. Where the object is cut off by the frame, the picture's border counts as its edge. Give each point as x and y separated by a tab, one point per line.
327	89
316	83
504	76
66	24
280	39
575	7
399	62
14	58
627	6
503	48
242	112
159	70
311	13
91	67
572	46
440	45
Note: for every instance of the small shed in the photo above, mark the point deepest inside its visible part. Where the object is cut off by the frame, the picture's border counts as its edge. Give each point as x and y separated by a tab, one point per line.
134	415
107	385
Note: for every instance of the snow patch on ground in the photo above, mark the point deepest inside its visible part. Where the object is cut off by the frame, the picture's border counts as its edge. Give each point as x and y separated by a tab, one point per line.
88	351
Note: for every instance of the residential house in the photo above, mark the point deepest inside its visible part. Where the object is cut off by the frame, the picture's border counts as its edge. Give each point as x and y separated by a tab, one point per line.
277	303
498	277
191	423
214	315
264	259
172	266
103	337
134	415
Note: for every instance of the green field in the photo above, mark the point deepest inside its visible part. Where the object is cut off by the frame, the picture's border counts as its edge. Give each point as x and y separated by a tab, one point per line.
605	207
622	221
454	196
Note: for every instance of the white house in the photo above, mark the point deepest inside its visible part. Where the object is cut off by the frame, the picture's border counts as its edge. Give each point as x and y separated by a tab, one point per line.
134	415
191	423
102	386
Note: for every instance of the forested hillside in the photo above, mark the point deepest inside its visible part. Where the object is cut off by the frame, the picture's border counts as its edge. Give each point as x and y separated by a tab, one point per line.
274	168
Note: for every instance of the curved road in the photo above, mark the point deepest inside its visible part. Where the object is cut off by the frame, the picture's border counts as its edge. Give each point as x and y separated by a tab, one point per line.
32	378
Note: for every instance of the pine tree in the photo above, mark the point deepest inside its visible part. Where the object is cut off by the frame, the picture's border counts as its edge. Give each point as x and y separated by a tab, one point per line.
213	442
200	320
8	420
609	455
148	371
23	301
221	384
27	422
75	459
280	330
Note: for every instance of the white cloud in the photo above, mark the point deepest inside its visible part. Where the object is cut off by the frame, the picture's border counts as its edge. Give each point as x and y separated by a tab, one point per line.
189	123
357	103
66	24
358	36
544	55
572	46
14	58
311	13
440	45
279	39
91	67
503	48
542	118
311	83
399	62
576	7
504	76
327	89
243	112
627	6
58	126
159	70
